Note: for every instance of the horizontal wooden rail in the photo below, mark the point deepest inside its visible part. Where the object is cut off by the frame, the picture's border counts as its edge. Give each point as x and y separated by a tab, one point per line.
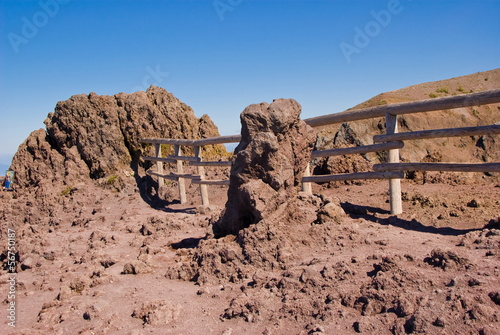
201	142
161	175
456	167
173	176
211	182
358	150
185	158
170	141
185	175
354	176
208	163
437	133
457	101
218	140
158	159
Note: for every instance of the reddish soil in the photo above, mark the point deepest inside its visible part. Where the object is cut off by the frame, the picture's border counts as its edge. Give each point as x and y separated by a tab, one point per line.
102	262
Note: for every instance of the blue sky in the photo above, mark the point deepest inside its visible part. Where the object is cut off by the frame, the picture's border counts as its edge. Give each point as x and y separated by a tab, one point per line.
219	56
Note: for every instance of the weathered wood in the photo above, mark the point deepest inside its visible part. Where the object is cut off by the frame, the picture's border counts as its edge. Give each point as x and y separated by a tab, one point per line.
170	141
218	140
189	142
159	165
437	133
219	163
211	182
358	150
457	101
307	186
201	173
395	200
456	167
184	158
173	176
158	159
184	175
180	170
161	175
353	176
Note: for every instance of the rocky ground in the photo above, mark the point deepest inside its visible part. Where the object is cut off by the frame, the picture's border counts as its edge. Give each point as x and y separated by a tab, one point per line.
108	262
98	250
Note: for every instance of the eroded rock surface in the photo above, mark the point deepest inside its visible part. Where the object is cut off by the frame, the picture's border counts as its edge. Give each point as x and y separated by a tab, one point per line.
269	164
94	136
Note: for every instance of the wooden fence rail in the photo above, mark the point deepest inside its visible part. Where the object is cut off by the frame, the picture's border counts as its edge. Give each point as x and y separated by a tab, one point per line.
196	160
391	142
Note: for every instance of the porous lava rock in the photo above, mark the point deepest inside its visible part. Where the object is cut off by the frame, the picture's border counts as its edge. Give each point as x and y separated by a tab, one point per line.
94	136
269	163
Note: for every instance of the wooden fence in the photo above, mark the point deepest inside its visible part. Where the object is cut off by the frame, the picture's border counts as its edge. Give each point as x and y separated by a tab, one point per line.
392	141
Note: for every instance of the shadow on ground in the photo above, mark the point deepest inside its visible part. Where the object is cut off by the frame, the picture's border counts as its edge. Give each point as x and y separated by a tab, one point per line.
188	243
370	214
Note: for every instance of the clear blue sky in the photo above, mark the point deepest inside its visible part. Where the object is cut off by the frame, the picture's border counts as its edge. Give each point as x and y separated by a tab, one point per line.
220	56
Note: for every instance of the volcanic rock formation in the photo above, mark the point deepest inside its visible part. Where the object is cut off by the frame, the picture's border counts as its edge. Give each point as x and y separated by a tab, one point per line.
95	136
270	161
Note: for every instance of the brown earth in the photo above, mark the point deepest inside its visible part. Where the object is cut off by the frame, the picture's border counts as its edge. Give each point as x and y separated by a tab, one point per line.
102	252
106	262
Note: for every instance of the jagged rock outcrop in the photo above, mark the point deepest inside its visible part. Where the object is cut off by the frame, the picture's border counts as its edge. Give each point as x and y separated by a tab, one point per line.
270	160
93	136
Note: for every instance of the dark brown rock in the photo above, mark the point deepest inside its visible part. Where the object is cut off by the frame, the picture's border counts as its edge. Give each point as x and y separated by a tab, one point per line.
95	136
270	161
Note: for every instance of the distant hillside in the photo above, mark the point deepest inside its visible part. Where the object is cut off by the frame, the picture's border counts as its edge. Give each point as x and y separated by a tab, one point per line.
460	149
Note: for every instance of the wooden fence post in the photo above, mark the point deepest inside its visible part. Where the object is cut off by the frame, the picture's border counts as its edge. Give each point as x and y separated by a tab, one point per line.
180	170
306	186
391	125
201	172
159	165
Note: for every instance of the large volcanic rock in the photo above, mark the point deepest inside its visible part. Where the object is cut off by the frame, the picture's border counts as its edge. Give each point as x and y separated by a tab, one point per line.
94	136
270	160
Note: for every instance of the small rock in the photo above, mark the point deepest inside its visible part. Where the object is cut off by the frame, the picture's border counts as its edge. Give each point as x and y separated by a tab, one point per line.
135	268
315	329
330	212
473	203
145	230
474	282
78	284
415	324
403	307
452	283
495	297
28	263
439	323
